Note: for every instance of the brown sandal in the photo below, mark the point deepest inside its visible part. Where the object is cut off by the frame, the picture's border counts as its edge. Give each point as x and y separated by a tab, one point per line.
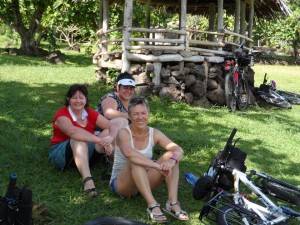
91	191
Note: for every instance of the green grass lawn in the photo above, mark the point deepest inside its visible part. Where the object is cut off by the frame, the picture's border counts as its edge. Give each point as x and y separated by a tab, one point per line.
31	91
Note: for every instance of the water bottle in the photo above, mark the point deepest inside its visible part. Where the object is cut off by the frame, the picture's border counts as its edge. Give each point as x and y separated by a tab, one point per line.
191	178
10	193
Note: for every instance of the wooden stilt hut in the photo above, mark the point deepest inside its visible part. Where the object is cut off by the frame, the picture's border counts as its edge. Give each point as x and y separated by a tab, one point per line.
182	63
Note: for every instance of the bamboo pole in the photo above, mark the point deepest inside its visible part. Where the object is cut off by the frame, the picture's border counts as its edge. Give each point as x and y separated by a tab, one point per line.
105	24
148	17
207	43
135	29
183	22
157	47
243	19
128	9
238	35
100	22
147	40
212	13
251	18
220	19
237	15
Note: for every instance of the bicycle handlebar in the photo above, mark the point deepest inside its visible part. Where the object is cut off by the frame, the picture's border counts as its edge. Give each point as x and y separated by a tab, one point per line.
229	140
265	79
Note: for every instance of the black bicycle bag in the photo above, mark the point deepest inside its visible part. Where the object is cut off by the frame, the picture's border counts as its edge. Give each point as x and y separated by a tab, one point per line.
233	158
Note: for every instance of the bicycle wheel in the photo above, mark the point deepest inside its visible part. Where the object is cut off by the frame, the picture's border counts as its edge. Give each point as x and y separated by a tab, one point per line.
114	221
243	95
282	192
230	92
233	216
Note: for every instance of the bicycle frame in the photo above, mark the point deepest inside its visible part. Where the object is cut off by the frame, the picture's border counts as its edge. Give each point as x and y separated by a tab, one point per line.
235	206
236	86
270	207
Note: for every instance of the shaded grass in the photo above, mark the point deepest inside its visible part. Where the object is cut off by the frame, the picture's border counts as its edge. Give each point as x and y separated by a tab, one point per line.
31	91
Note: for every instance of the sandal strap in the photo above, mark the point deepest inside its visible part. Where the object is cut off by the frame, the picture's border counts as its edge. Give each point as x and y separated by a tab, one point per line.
155	205
174	203
87	179
181	212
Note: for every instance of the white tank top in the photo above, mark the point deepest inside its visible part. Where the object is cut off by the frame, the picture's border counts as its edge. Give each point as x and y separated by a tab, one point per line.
119	158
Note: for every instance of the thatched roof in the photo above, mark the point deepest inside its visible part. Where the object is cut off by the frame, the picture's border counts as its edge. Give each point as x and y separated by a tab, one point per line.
262	8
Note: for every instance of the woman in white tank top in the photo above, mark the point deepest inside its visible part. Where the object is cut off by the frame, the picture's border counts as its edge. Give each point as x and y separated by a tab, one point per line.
135	172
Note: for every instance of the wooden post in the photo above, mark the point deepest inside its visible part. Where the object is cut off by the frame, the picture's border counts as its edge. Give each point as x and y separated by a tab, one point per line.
220	20
237	15
243	19
105	24
100	22
251	18
183	22
212	14
148	17
128	11
157	68
100	25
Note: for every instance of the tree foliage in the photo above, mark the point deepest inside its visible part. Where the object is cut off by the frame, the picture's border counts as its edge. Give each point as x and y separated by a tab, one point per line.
35	20
25	17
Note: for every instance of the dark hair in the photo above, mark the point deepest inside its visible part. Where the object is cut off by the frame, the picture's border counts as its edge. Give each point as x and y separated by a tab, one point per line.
73	89
136	100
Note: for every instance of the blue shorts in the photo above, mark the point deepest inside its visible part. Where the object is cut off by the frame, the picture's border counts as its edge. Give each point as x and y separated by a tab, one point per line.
114	188
59	154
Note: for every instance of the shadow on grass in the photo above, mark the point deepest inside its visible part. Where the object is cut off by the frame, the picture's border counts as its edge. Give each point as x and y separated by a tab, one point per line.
25	118
71	57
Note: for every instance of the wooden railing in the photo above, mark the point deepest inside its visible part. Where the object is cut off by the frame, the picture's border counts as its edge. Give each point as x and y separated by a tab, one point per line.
165	39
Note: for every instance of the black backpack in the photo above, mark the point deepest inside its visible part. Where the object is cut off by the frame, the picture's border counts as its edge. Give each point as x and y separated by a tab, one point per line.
16	205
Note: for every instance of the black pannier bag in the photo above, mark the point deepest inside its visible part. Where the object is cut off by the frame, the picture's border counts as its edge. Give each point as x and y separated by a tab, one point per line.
24	213
16	205
232	157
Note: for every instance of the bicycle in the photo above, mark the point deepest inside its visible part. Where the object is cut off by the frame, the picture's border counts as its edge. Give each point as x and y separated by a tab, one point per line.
268	94
291	97
236	85
227	171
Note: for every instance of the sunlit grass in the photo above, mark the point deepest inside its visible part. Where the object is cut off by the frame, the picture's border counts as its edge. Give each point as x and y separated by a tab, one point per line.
31	90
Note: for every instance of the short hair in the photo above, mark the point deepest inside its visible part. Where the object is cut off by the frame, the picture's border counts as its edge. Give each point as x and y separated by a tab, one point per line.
137	100
124	75
73	89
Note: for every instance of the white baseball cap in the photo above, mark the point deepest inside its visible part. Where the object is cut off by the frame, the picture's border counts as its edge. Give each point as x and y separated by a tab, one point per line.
126	82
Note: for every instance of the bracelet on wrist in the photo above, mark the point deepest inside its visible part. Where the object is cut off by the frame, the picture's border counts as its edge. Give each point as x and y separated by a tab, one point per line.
176	161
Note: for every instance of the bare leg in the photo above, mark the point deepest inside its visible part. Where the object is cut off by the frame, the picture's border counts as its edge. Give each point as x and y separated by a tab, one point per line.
172	186
133	179
81	158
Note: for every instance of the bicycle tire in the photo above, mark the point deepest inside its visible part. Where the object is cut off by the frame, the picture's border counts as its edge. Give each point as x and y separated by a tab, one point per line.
282	192
292	98
114	221
243	95
227	215
202	187
229	92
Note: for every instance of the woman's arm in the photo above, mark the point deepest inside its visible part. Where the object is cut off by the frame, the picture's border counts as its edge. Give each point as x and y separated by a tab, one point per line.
66	126
134	156
112	125
109	108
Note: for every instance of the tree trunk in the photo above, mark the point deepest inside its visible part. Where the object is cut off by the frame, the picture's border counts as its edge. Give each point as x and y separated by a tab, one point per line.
28	45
